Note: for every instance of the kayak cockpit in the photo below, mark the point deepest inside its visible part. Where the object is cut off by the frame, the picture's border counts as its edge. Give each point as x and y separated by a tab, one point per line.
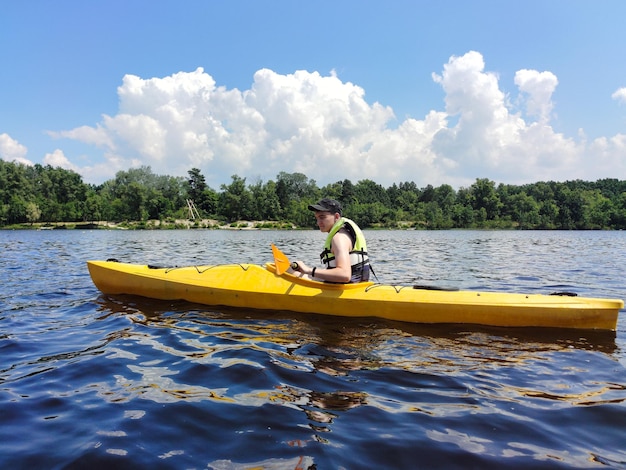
271	267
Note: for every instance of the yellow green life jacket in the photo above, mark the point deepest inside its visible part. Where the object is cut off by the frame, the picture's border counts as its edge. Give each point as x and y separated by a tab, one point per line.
359	260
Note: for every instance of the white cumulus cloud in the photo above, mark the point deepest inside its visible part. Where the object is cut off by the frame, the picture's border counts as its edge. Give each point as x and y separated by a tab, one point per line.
58	159
488	139
620	95
539	86
12	151
325	128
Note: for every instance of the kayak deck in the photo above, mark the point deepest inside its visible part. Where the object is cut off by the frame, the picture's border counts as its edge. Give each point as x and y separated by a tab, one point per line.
260	287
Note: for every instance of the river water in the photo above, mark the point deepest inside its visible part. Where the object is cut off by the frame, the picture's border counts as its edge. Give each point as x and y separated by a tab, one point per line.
88	381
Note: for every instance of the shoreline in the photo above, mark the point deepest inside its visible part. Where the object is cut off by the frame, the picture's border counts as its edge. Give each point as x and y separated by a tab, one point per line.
177	224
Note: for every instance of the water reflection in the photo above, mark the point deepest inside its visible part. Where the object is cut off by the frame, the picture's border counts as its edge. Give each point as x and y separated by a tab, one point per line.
295	463
251	358
125	382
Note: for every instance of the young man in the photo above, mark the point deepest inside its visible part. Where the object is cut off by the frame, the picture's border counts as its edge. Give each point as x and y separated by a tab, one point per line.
345	251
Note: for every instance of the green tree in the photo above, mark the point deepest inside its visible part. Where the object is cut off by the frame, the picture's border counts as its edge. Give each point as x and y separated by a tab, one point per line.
347	196
133	198
17	210
333	191
292	190
368	214
619	215
204	198
462	216
294	186
93	206
525	210
484	197
435	218
235	200
598	210
32	212
367	191
196	185
571	208
428	193
265	203
548	213
14	181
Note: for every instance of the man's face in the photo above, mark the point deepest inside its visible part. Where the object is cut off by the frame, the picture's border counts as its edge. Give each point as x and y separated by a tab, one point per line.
325	220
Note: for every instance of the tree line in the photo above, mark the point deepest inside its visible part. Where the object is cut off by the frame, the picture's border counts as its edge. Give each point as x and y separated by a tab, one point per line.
45	194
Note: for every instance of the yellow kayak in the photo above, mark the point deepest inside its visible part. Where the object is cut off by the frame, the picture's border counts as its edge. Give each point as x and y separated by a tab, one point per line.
261	287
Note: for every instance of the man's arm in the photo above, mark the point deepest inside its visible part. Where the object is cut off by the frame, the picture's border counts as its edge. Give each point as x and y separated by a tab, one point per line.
340	247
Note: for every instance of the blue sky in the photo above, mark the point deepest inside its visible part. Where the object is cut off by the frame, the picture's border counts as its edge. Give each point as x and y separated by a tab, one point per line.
423	91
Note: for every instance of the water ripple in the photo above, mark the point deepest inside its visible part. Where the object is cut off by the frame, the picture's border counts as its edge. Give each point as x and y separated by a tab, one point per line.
124	382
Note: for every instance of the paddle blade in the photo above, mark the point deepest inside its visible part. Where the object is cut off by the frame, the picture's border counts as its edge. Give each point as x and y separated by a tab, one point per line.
280	260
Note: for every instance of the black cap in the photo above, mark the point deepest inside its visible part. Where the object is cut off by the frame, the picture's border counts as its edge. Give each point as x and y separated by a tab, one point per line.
327	205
